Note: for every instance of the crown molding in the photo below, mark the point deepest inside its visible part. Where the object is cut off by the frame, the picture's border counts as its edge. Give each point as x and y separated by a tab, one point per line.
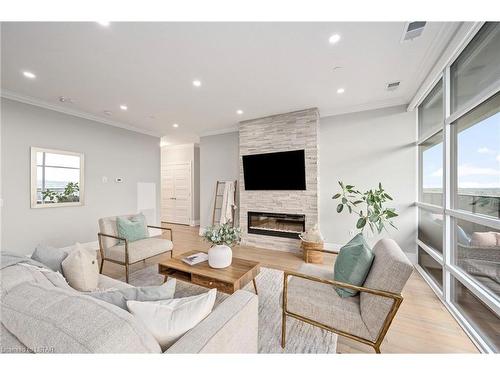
232	129
87	116
369	106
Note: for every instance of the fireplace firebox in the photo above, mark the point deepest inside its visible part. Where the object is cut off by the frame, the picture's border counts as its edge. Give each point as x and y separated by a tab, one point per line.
276	224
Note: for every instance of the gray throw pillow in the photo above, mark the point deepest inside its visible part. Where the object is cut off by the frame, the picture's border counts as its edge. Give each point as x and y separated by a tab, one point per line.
50	256
353	264
119	297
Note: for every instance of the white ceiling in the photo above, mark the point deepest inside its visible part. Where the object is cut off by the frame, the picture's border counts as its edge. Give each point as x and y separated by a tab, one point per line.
261	68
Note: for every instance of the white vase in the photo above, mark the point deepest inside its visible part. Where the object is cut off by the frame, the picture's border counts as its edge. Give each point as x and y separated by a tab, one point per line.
220	256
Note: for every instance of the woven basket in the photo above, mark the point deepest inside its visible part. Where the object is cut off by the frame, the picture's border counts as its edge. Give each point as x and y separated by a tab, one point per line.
311	256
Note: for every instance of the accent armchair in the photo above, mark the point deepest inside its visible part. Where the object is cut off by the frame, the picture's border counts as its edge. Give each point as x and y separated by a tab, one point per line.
127	253
309	296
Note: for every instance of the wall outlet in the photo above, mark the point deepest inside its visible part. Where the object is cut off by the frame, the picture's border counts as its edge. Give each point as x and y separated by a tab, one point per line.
119	179
104	180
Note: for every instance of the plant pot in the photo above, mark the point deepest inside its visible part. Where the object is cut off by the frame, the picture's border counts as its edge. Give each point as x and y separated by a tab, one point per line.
220	256
311	256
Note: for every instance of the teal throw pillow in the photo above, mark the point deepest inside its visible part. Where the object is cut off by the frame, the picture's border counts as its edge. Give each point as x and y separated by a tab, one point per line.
133	228
353	264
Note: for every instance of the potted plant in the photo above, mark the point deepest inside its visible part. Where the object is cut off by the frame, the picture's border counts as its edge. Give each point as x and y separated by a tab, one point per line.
222	237
375	215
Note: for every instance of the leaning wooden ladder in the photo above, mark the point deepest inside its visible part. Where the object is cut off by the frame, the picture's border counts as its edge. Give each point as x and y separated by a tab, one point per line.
219	197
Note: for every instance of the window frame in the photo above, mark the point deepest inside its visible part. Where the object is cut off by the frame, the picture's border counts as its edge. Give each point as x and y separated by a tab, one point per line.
34	188
450	210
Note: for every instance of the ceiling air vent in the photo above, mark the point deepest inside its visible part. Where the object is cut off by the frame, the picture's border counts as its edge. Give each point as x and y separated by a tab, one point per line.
392	86
413	30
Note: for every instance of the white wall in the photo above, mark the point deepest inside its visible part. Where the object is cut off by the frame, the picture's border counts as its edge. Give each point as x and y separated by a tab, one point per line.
219	155
109	151
363	149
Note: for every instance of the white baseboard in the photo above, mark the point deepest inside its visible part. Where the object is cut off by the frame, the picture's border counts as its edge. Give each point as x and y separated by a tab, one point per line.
331	246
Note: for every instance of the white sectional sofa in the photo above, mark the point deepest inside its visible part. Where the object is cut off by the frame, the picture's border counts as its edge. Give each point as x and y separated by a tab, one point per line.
41	314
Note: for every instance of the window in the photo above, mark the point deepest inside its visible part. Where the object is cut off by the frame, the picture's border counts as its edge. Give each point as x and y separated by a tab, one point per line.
478	159
56	178
459	211
433	268
478	67
431	156
430	112
430	229
477	252
482	318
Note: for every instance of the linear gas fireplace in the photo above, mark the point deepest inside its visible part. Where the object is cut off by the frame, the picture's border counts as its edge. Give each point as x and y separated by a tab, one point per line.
279	225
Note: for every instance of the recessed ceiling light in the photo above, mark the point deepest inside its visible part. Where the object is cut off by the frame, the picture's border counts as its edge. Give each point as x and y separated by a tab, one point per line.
108	113
239	112
175	125
334	38
103	23
196	83
123	107
340	91
29	75
64	99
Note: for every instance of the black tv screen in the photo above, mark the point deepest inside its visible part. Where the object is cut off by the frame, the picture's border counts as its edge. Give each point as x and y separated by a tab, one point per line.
275	171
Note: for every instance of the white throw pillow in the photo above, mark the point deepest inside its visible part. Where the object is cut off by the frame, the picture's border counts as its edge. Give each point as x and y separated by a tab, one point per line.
170	319
81	269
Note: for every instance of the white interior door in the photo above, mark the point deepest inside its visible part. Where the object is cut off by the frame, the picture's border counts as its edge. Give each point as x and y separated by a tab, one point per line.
176	193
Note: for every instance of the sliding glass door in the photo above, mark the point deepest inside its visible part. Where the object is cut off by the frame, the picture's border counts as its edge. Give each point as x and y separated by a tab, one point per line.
459	187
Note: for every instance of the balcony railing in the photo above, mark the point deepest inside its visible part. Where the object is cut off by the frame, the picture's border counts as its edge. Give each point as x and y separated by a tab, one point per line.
483	204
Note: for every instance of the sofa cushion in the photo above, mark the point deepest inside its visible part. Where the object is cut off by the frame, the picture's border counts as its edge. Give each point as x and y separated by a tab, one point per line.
390	272
52	257
169	320
62	321
81	270
139	250
9	343
17	274
320	302
352	265
145	293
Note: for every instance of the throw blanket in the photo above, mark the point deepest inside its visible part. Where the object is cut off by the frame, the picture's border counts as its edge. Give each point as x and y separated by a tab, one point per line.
226	215
10	259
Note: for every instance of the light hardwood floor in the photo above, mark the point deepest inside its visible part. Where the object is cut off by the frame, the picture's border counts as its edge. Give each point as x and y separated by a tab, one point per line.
422	325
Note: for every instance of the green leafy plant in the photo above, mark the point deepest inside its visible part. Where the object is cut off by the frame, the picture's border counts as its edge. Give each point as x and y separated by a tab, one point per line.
70	194
375	216
223	235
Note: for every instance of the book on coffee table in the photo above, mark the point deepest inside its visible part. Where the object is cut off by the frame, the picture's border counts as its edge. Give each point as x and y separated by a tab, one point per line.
195	258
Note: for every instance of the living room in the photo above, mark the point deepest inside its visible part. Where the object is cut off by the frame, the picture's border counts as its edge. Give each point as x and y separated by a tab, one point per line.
250	187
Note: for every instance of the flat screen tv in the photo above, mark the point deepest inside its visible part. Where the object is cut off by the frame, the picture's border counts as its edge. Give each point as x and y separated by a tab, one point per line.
275	171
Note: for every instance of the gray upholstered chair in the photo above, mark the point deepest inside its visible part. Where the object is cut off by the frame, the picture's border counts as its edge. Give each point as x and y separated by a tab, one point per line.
128	253
309	295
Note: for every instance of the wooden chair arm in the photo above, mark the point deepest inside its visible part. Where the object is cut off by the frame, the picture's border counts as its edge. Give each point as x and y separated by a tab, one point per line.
169	229
377	292
99	235
112	236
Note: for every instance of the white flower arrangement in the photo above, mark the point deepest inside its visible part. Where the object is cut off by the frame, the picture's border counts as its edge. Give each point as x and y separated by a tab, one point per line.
223	235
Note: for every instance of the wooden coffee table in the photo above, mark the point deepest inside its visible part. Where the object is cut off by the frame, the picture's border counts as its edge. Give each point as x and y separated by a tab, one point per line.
226	280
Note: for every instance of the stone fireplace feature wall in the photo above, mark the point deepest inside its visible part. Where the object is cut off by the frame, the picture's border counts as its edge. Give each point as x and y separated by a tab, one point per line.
285	132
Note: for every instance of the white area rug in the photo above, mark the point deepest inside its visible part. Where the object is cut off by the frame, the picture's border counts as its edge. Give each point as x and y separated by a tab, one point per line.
301	337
